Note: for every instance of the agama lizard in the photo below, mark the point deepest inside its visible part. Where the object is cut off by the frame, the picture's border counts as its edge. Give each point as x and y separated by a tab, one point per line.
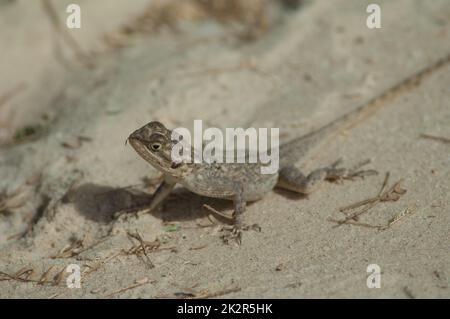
244	183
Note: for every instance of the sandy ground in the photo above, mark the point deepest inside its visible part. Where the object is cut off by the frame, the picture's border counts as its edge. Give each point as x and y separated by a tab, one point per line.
62	187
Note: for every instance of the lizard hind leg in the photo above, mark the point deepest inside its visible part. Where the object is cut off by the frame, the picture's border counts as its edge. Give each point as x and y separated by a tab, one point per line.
239	207
291	178
235	232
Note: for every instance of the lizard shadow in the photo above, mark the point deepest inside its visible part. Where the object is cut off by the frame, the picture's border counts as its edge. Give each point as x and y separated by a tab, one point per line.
290	194
183	205
102	204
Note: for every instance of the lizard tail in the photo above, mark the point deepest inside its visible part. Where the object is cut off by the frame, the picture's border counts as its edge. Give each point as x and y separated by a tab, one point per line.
304	144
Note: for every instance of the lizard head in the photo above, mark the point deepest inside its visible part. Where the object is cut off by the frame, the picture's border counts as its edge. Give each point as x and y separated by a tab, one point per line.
153	142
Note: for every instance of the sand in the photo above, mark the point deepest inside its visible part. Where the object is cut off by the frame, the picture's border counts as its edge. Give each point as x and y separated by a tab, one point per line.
62	187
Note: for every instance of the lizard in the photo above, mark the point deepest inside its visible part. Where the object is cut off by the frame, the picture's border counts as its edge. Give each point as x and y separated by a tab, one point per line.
244	183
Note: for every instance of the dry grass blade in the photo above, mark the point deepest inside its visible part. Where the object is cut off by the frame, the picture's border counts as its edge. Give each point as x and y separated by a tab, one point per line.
385	183
392	194
16	200
44	276
6	276
142	246
24	274
93	268
75	248
436	138
408	293
406	212
369	205
355	223
137	283
71	250
207	294
370	200
359	204
190	293
198	247
59	276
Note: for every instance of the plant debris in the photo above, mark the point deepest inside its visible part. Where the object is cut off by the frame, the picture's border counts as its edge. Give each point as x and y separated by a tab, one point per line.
204	294
70	250
15	200
137	283
172	228
75	142
27	133
143	247
444	140
408	293
392	194
77	247
25	273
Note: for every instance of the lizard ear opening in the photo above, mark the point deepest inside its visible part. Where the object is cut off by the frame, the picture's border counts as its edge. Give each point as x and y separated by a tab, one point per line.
175	165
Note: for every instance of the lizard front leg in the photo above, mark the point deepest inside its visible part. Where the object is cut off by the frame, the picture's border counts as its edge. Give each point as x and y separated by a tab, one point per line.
158	196
161	193
291	178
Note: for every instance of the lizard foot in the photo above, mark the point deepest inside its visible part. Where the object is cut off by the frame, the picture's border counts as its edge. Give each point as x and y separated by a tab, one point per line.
234	233
335	174
231	234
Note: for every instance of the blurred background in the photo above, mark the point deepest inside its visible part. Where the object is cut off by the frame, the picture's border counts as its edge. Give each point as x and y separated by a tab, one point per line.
69	98
38	51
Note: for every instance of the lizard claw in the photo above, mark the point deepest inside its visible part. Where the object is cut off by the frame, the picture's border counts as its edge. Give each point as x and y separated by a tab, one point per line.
232	233
254	227
335	174
235	233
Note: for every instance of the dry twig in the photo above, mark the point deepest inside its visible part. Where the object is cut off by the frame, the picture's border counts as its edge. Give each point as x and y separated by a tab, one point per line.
444	140
136	284
142	246
392	194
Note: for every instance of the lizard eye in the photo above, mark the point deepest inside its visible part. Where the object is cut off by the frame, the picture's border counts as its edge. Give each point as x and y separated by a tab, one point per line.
156	146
